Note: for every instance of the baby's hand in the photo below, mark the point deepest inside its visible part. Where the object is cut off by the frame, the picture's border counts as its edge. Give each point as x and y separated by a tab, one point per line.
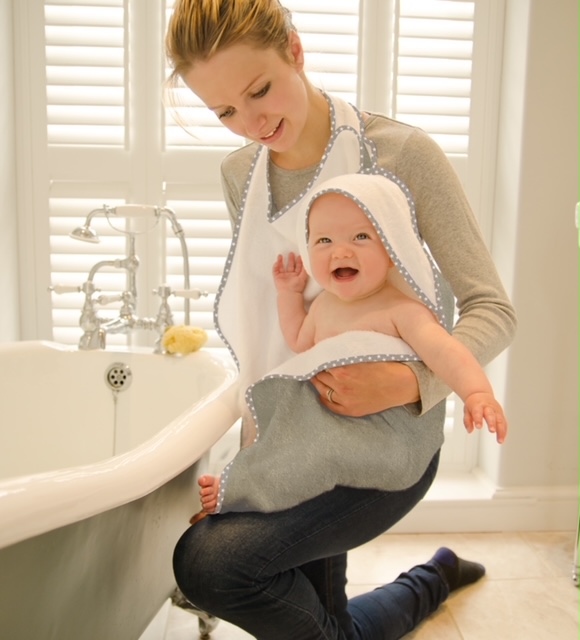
290	276
480	407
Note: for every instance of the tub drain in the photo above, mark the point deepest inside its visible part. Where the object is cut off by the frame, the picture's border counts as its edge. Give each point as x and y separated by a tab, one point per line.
119	376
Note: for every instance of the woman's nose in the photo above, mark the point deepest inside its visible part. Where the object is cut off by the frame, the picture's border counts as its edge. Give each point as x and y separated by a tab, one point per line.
254	122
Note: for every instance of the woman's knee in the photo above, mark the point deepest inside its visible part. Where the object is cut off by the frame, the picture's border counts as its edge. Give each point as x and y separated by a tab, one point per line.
205	564
192	564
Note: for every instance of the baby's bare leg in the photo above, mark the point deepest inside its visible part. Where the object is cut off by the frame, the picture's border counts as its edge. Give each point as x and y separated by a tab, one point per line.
208	493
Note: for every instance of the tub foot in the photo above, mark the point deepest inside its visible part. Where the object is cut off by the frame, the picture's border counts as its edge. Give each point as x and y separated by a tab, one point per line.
207	622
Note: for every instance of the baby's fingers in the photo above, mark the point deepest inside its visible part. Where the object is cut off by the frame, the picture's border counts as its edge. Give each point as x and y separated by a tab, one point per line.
500	427
473	419
496	422
278	266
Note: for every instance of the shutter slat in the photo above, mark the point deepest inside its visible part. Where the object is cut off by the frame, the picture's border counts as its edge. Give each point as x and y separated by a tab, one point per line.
89	14
437	105
86	135
439	9
83	95
435	48
85	36
83	115
440	68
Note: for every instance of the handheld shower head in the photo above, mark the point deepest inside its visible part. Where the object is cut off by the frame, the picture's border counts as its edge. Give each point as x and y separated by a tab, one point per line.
85	233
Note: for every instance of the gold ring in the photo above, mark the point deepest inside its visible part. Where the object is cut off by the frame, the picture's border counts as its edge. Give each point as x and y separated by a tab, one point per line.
329	393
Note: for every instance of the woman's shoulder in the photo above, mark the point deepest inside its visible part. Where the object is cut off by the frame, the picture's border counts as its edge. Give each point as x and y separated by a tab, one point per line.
237	163
235	168
405	150
393	137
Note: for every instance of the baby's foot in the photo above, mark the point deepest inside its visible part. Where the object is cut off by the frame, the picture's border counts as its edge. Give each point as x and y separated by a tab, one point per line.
208	493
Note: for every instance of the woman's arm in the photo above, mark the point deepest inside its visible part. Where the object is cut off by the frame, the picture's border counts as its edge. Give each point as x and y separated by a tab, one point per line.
487	319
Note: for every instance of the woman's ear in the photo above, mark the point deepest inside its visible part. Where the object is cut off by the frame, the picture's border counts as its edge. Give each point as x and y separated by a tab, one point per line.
296	50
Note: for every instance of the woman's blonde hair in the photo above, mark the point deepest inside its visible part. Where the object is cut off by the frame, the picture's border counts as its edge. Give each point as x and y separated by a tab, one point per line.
200	28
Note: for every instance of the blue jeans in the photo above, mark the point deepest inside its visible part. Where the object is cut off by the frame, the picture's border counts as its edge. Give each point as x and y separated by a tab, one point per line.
282	576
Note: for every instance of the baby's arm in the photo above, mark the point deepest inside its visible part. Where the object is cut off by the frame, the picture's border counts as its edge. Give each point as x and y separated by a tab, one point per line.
454	364
290	280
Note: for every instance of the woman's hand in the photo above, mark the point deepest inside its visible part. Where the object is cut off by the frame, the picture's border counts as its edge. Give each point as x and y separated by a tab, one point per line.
370	387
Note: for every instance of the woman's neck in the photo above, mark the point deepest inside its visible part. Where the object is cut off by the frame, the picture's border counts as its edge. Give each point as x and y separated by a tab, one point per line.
310	147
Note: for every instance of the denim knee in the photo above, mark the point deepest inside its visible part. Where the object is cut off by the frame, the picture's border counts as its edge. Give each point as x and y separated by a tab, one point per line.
208	565
194	567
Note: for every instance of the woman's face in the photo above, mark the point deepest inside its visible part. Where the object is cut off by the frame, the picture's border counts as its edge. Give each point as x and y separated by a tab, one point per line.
255	92
347	256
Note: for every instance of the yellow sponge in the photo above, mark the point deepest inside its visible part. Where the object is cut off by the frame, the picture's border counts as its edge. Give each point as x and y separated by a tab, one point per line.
184	339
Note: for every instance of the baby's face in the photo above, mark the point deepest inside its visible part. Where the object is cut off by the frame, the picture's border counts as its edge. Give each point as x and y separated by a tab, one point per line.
347	256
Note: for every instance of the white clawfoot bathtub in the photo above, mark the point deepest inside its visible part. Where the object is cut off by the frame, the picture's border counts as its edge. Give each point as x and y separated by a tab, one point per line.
98	470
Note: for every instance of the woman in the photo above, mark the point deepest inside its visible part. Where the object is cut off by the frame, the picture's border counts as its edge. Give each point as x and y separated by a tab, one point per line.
282	575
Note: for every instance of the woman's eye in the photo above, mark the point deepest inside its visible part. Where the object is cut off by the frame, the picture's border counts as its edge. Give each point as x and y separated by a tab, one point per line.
225	114
263	91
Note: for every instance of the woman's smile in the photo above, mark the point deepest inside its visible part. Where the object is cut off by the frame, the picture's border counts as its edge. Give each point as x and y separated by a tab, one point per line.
274	135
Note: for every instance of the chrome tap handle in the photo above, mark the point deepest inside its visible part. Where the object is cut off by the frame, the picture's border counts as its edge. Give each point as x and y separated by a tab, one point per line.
194	294
105	300
64	288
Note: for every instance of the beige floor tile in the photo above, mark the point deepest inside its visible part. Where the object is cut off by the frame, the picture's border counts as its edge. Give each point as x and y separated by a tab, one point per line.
440	626
517	610
555	549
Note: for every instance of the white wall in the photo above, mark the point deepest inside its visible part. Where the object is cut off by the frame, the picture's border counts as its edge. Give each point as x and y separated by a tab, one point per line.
535	243
8	216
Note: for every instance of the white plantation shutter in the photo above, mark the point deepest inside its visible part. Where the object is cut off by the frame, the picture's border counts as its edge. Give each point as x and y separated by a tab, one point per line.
85	72
86	123
108	140
432	71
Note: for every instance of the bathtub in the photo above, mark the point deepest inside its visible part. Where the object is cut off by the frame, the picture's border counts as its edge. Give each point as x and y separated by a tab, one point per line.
99	456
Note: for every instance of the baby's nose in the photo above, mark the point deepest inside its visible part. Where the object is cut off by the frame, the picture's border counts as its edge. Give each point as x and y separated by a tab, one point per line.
342	250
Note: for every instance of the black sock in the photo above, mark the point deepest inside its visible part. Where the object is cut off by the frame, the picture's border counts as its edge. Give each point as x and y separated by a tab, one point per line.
458	572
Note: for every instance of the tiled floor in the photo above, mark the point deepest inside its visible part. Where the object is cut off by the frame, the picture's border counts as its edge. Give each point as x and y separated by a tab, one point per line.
527	594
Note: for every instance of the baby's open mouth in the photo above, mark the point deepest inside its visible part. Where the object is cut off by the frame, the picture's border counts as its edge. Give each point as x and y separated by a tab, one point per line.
344	272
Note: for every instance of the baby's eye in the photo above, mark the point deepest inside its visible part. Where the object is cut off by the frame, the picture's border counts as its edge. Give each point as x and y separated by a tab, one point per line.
362	236
323	241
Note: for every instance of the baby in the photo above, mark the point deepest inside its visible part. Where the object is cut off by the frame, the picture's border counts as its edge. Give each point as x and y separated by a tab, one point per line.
350	262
